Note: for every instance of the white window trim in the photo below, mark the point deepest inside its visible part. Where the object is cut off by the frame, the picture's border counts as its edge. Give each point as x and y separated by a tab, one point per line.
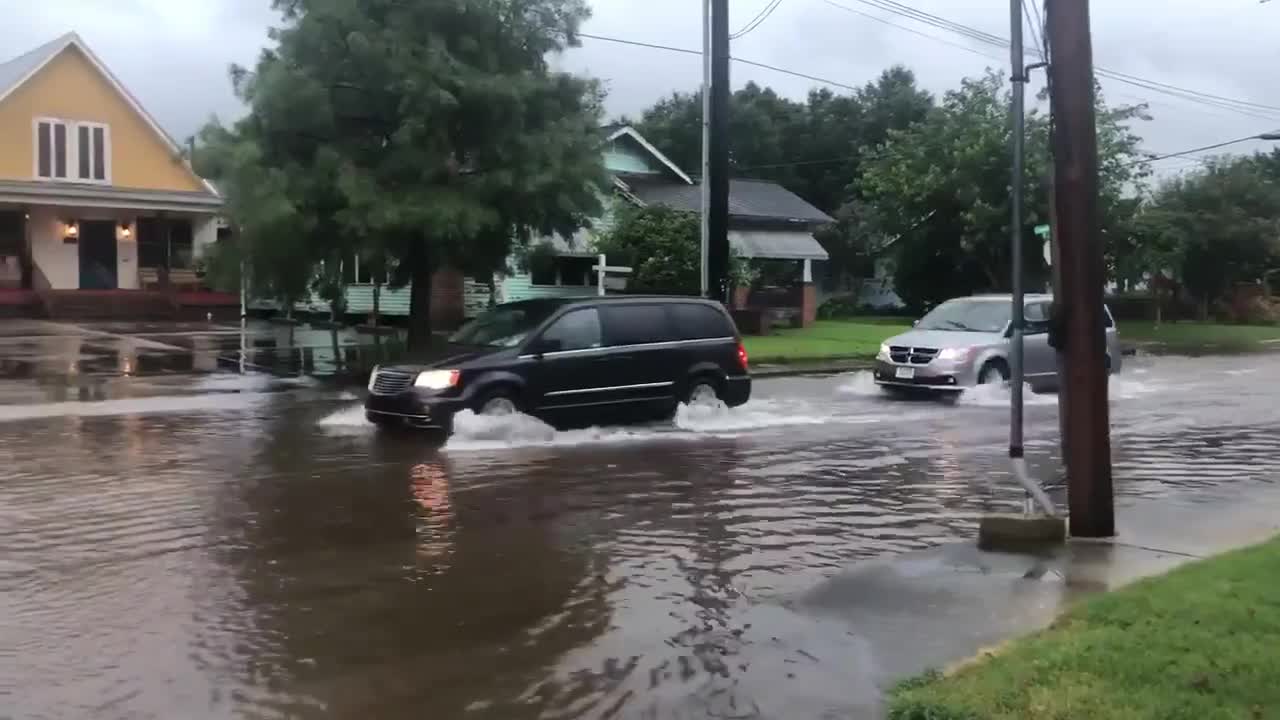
106	153
355	275
72	151
53	150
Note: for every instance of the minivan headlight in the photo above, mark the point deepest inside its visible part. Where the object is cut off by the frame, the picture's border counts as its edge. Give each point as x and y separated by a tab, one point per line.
954	354
373	376
884	352
437	379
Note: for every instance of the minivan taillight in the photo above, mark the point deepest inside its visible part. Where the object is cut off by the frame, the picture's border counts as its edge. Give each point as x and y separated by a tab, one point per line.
742	356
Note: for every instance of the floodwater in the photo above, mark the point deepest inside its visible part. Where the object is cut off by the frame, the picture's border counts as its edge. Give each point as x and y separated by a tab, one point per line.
226	546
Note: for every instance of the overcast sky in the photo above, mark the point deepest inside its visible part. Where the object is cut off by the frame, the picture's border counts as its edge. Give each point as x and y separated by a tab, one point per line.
174	54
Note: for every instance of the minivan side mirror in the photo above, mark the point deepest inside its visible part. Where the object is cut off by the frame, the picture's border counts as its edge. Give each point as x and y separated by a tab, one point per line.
915	323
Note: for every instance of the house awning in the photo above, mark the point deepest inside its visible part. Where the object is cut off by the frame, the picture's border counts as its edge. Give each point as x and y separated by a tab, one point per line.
776	245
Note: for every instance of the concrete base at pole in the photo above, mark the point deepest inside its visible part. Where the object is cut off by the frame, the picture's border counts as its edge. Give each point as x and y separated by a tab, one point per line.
1017	533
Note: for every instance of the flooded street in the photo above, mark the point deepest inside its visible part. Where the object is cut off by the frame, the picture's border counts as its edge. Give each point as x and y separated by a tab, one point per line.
206	544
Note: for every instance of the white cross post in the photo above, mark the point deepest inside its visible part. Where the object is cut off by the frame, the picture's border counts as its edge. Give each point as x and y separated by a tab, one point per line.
602	269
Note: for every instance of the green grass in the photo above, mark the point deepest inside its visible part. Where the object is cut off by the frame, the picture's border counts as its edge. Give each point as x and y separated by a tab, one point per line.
826	340
1200	336
1200	642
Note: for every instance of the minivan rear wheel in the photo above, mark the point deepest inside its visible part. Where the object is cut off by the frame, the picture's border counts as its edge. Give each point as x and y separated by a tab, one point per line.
702	391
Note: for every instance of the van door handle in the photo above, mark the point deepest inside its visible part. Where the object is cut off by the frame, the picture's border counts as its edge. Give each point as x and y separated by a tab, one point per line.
614	357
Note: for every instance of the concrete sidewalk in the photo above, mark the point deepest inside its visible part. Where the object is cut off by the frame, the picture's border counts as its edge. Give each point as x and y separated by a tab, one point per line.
933	608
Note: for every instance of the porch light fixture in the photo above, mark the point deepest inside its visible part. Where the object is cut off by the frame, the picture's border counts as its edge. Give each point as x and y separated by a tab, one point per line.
126	232
72	231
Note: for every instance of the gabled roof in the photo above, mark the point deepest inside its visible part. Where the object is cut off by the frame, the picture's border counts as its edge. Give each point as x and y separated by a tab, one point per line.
633	134
748	199
16	72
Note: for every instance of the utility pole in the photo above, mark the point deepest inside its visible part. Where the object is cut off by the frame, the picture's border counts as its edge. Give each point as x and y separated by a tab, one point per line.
706	140
1079	292
718	156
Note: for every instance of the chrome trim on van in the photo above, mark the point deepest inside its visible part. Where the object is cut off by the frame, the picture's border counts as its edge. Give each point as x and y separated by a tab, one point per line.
623	348
583	391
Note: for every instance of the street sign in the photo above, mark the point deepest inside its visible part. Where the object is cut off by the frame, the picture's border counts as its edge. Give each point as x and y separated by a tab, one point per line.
1043	231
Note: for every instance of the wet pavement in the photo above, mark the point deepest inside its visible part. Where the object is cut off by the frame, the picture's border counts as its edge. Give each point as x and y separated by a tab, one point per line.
180	540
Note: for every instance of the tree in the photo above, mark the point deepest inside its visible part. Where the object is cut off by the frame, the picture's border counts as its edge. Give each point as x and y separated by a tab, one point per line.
661	245
1215	227
941	187
432	133
813	148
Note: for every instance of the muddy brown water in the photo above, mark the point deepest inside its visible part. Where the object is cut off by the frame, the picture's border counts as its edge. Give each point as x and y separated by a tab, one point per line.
241	547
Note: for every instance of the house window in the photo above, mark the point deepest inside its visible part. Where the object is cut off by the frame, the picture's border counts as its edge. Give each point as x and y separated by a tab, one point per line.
72	151
564	272
51	149
355	272
91	152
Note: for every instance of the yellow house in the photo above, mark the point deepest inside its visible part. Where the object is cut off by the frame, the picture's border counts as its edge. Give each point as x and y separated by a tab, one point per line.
94	195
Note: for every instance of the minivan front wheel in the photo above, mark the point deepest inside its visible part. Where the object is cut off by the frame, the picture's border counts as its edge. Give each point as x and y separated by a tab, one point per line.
993	372
497	404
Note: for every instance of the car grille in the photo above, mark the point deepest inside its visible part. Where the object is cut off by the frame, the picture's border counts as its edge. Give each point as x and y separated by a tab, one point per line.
390	382
904	355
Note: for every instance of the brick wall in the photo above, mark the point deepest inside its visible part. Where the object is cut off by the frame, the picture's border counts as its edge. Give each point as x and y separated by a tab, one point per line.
808	304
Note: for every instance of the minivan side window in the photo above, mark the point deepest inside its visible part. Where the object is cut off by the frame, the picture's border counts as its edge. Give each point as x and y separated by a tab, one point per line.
635	324
695	321
575	330
1036	318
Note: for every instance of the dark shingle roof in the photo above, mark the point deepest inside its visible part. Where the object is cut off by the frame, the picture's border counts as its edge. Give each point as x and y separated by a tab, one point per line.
751	199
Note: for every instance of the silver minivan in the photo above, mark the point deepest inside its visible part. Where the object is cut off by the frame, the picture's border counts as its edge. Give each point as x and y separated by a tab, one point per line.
965	342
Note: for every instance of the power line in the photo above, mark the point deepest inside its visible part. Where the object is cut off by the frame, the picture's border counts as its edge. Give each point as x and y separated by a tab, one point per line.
744	61
1239	106
1035	30
1192	151
911	30
758	20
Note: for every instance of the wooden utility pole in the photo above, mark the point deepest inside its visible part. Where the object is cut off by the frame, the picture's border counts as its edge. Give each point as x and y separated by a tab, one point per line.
718	156
1081	272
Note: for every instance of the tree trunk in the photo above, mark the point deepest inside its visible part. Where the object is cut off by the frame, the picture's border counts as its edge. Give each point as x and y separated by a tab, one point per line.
377	297
419	299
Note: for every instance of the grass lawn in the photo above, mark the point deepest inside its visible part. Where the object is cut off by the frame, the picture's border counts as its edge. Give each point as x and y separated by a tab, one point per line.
1190	336
1200	642
827	339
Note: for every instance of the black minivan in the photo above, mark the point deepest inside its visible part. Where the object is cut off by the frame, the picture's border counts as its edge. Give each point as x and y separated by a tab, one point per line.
569	361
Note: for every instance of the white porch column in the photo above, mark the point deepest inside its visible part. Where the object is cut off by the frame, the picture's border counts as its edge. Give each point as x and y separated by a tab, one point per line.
808	271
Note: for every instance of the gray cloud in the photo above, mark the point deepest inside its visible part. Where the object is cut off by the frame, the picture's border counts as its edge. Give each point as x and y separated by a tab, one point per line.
174	55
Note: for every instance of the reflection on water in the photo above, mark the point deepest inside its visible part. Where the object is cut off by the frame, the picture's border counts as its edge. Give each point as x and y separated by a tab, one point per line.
259	551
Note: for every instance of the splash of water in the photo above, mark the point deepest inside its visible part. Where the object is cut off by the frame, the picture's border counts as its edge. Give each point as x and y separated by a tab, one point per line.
472	432
758	414
860	383
348	418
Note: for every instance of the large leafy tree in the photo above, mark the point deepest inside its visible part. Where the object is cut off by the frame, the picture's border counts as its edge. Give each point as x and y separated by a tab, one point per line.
941	189
430	133
1215	227
813	148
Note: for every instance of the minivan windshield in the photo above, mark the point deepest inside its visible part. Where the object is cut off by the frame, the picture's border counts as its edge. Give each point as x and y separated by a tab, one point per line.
969	315
505	325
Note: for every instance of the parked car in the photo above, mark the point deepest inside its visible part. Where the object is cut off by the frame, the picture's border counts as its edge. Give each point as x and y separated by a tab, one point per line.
965	342
571	361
